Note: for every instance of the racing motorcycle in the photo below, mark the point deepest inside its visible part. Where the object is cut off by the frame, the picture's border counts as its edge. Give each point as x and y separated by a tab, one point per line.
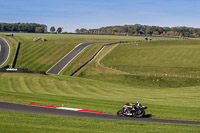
134	110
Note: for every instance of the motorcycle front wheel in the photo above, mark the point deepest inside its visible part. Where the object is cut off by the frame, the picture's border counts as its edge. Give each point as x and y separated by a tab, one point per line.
139	113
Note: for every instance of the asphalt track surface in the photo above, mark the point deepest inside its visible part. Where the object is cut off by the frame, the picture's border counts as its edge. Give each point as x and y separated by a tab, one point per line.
61	64
6	106
4	51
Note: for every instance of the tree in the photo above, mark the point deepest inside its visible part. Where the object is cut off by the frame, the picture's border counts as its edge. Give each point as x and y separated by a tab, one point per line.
77	31
59	30
3	27
24	27
83	30
39	30
52	29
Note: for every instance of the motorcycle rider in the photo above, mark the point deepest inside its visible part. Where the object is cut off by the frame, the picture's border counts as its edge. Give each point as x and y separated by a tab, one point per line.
137	104
132	109
127	106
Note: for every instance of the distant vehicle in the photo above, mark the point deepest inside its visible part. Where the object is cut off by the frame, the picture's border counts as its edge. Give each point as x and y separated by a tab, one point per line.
132	109
39	39
10	34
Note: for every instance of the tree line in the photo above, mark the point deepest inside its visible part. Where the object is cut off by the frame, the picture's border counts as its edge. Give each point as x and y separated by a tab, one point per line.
138	29
23	27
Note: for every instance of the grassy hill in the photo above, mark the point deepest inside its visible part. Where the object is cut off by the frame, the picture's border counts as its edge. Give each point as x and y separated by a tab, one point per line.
162	75
43	55
173	103
174	57
172	63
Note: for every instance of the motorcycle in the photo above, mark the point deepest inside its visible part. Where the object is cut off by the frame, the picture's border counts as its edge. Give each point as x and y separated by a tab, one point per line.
136	110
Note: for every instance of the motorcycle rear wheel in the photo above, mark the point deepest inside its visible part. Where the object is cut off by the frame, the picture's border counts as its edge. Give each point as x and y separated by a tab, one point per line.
120	112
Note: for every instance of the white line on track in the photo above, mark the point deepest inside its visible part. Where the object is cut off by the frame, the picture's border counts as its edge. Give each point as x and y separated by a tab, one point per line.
71	60
8	52
65	108
63	57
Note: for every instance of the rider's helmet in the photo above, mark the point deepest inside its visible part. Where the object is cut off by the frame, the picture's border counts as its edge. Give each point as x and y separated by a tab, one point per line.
130	104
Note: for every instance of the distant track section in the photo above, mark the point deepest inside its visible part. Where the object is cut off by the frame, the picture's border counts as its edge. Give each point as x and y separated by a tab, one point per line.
4	51
61	64
6	106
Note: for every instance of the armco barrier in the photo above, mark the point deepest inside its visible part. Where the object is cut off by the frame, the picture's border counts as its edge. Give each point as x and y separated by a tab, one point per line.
20	70
2	69
6	66
15	57
98	52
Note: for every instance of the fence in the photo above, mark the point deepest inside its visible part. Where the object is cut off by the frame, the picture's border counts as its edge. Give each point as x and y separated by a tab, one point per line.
15	56
6	66
20	70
